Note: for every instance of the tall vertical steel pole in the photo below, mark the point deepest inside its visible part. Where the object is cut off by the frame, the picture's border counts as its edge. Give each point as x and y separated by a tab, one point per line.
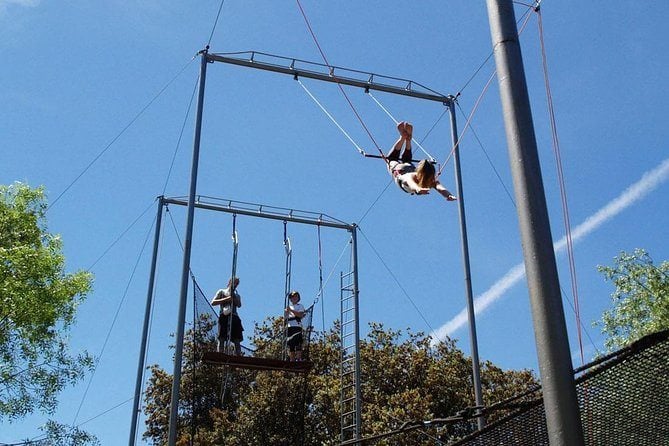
145	328
356	301
476	368
550	330
181	319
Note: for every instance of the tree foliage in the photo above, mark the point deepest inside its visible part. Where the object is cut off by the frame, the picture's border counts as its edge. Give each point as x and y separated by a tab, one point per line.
38	302
640	302
405	377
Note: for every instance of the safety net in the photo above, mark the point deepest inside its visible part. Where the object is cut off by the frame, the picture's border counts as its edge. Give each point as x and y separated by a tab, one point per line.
623	399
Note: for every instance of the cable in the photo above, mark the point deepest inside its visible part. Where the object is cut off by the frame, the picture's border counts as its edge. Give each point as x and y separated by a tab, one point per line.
431	158
508	194
434	125
561	182
106	411
183	126
118	310
530	8
320	278
215	23
357	115
153	305
120	237
468	122
375	201
477	103
132	121
396	281
362	152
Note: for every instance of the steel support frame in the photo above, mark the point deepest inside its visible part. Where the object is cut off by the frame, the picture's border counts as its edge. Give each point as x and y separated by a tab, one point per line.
191	203
286	215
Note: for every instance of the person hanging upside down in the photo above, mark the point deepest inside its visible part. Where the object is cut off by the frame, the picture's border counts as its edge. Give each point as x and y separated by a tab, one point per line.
411	179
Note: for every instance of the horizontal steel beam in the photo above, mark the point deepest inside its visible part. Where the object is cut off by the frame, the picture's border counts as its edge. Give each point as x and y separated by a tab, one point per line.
271	213
368	84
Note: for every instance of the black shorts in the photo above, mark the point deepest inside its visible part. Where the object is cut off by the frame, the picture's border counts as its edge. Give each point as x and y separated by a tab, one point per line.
294	335
237	329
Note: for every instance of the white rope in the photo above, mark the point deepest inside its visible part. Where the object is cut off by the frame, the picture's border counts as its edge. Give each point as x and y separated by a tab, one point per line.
362	152
431	158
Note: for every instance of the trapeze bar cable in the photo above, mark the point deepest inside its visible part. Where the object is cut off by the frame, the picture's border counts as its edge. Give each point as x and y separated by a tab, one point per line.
362	152
407	89
431	158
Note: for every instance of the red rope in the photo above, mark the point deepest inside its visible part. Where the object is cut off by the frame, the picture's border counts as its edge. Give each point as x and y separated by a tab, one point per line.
325	59
563	192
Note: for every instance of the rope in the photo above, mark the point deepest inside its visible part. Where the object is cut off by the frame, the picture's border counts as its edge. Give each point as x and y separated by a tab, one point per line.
431	158
563	192
357	115
362	152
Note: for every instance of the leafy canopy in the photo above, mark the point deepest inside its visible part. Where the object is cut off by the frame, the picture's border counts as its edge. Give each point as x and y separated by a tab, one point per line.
640	302
404	378
38	301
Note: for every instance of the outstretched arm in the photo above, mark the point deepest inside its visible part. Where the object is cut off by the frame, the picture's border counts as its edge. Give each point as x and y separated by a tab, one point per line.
444	192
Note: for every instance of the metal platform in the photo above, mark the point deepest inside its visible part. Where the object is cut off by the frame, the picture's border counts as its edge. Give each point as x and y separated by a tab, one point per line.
251	362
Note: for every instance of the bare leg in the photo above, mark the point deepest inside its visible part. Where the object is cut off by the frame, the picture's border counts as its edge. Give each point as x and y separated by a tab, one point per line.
407	156
394	153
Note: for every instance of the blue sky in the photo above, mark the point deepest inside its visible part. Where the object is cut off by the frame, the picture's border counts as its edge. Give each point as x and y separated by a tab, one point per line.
76	74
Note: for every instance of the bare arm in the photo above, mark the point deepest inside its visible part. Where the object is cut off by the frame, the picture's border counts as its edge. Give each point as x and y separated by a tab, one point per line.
444	192
295	313
221	299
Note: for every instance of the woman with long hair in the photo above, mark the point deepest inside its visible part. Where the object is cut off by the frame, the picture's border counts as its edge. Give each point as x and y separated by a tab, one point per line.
411	179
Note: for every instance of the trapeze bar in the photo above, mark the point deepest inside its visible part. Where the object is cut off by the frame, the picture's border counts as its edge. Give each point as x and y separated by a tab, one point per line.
250	362
331	76
369	155
264	212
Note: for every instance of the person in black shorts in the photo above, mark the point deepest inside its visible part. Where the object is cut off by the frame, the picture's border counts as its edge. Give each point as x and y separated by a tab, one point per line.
294	313
229	300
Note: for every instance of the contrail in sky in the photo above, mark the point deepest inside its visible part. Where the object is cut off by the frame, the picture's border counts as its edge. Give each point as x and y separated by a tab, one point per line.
648	182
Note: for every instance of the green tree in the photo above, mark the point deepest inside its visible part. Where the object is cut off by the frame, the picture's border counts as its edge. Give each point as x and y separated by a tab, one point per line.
38	302
640	302
405	378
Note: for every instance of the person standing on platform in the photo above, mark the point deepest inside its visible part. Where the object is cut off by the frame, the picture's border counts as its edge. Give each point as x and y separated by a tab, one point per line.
294	313
229	300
